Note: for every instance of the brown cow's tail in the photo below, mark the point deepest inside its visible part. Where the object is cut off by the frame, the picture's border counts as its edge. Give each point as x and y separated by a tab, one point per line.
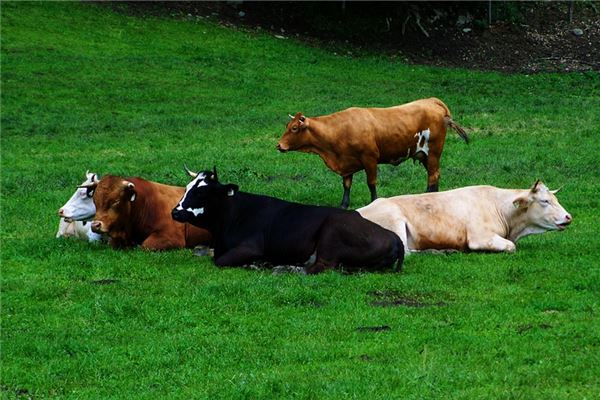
459	129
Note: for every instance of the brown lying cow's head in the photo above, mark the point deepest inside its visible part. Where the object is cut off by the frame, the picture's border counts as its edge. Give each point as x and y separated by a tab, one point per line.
294	137
541	210
113	198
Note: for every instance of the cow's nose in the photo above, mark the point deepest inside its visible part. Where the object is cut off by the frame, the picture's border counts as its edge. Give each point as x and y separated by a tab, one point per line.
281	149
177	215
61	213
96	226
568	218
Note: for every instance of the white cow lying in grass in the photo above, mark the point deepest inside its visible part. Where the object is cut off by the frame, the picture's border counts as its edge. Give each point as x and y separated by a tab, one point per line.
77	213
483	218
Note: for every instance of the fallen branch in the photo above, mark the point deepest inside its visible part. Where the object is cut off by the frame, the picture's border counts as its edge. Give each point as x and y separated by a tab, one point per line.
418	17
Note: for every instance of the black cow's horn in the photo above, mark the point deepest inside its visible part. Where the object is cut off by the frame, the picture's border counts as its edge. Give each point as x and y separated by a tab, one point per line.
190	173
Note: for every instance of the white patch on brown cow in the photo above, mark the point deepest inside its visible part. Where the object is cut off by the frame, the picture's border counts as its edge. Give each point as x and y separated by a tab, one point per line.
423	141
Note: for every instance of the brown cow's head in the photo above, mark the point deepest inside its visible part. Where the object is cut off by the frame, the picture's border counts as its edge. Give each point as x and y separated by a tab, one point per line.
295	135
113	198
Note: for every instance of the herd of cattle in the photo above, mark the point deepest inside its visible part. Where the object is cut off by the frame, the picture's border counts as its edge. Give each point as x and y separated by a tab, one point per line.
244	228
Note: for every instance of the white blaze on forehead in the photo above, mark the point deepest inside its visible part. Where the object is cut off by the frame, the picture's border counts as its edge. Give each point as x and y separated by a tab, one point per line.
196	211
425	147
198	181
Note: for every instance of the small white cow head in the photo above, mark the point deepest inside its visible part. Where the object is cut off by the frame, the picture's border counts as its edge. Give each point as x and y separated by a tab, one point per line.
80	206
542	210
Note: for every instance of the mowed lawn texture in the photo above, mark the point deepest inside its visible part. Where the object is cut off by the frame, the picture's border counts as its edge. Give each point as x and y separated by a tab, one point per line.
85	87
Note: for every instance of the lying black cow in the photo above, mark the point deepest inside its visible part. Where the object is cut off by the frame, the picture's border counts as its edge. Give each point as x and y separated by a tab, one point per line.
248	228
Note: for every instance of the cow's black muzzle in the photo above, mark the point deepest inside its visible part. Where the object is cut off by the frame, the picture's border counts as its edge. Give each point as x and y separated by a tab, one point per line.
179	215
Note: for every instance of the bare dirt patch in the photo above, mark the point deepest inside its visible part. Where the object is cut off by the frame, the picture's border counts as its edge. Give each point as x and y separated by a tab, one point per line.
391	298
380	328
522	37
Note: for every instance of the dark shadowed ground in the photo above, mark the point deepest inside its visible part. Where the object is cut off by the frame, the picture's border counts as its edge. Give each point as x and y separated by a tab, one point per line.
523	37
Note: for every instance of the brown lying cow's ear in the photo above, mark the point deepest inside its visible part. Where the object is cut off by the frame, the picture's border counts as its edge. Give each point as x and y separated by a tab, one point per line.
302	123
129	190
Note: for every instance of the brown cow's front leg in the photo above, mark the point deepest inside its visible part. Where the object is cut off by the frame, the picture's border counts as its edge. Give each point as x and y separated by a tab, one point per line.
161	241
347	182
432	164
371	170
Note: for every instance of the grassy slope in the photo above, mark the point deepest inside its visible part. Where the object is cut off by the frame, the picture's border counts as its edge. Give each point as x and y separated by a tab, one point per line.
84	88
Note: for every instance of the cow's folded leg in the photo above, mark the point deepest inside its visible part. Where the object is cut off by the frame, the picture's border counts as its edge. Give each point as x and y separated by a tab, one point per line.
159	242
492	243
402	231
237	257
319	266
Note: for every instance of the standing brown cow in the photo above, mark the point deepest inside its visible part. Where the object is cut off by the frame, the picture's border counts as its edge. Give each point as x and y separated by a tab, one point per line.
360	138
134	211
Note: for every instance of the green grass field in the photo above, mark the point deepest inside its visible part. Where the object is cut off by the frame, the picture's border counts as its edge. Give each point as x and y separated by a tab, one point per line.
84	87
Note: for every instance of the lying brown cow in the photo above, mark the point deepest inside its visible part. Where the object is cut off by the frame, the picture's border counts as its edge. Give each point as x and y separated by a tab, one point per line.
134	211
474	218
360	138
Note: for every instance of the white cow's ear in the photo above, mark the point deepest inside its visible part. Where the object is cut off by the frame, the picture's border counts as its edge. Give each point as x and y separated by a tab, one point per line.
521	202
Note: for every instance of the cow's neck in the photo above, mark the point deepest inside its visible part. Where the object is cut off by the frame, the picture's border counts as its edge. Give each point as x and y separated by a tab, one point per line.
319	142
515	219
143	219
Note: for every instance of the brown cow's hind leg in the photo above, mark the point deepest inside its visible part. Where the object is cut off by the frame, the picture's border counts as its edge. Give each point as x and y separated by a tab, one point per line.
432	164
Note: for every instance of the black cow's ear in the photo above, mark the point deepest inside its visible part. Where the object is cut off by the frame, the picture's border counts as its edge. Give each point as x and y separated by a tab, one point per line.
231	189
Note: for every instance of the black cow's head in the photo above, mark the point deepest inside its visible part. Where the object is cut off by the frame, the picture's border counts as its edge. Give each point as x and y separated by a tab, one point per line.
202	198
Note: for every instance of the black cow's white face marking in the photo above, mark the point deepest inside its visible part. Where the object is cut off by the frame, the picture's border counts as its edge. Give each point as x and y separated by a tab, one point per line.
198	182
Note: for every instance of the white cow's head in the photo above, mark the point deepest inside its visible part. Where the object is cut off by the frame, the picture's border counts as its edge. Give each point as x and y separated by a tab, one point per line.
542	210
80	206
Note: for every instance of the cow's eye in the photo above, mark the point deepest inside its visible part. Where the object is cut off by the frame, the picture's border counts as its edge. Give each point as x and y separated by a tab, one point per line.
545	202
89	193
116	203
294	128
